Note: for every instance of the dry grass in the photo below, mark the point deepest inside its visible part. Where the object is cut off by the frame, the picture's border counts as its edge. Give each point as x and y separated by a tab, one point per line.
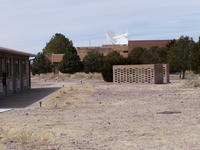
29	136
80	96
66	77
81	75
192	83
50	105
1	138
192	80
67	96
113	116
68	102
1	133
2	147
60	93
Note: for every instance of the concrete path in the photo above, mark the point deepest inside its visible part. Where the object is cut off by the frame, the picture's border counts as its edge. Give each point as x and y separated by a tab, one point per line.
39	91
3	110
25	98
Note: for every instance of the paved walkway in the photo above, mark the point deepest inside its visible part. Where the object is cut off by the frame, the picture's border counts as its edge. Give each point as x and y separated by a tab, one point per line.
25	98
39	91
3	110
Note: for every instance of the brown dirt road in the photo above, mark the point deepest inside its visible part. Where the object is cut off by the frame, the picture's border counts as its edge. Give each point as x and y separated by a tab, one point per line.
105	116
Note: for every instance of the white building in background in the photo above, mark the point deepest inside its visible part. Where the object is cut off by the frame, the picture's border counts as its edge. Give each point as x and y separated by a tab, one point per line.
117	39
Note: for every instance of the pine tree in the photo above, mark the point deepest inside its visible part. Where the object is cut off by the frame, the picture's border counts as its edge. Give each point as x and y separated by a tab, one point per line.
195	57
179	55
113	58
71	62
135	56
93	62
41	64
57	44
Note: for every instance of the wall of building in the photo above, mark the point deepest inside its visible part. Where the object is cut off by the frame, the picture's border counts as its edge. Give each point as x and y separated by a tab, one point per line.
147	43
83	51
122	49
17	72
104	49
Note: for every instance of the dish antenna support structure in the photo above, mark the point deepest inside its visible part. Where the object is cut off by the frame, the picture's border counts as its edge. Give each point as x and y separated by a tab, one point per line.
117	39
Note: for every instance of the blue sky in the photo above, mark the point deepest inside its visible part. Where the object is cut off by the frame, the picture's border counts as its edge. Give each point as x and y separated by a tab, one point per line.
29	24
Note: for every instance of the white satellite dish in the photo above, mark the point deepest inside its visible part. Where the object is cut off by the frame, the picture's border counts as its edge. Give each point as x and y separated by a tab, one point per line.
117	39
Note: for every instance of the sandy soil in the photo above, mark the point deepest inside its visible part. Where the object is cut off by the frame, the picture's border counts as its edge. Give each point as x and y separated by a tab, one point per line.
96	115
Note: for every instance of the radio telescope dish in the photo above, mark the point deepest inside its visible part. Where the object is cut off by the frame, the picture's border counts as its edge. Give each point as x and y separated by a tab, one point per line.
117	38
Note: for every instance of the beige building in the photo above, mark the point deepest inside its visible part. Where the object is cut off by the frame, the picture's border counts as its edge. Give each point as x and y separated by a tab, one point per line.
122	49
55	59
105	49
14	71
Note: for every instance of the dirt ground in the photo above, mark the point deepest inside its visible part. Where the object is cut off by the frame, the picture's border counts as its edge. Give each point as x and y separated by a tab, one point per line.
94	115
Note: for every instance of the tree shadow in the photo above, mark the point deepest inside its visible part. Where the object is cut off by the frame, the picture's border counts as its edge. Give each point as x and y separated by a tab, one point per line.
25	98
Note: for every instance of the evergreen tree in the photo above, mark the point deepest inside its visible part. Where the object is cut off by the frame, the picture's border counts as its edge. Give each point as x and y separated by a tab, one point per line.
113	58
71	62
179	55
154	55
135	56
171	44
93	62
57	44
41	64
195	57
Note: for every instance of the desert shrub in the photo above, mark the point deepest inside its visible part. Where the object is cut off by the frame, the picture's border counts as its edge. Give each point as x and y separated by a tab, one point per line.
93	62
113	58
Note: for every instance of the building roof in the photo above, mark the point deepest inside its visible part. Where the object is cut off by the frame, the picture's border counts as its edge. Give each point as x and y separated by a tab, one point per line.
147	43
11	51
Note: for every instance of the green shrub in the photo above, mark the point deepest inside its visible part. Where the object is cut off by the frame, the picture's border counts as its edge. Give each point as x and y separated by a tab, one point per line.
154	55
113	58
93	62
135	56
